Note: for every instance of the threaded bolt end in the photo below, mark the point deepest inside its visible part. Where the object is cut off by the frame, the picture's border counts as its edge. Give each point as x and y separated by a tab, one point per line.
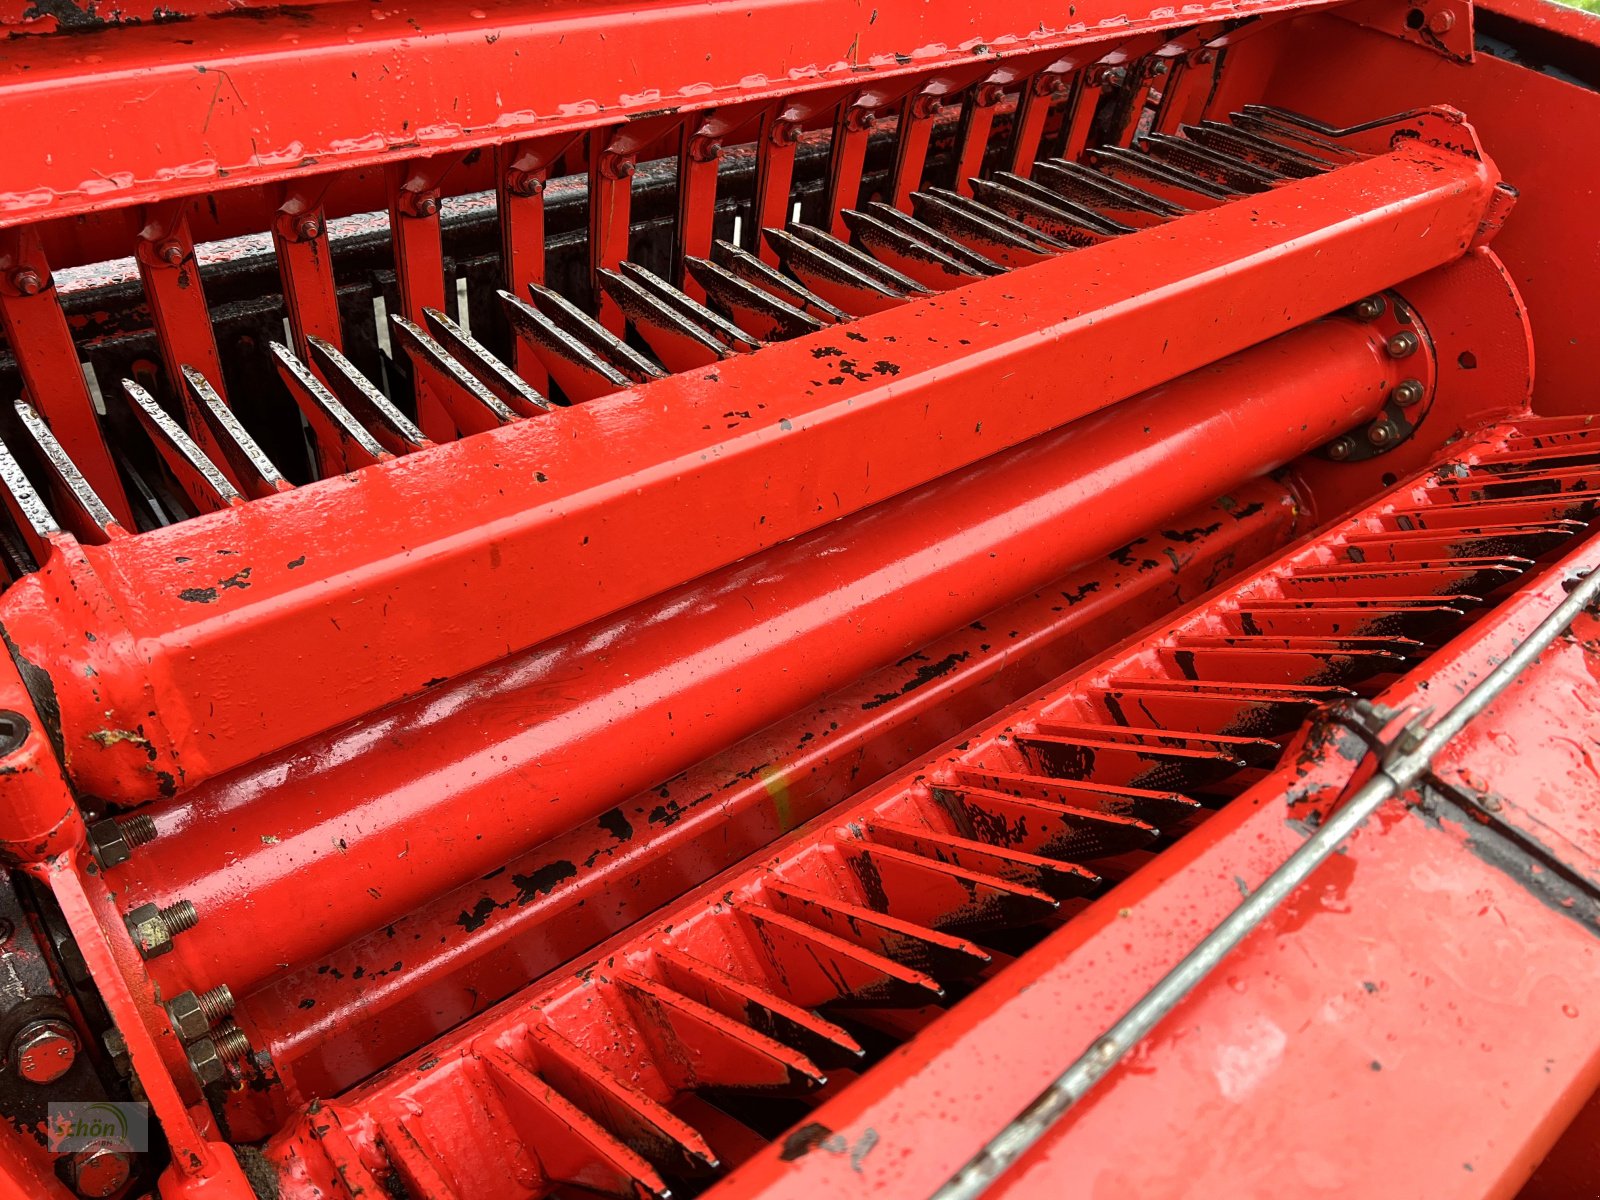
179	917
232	1043
216	1004
139	831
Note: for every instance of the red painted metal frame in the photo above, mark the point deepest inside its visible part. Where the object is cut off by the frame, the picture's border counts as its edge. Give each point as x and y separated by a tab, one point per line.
331	1024
278	93
905	1126
419	569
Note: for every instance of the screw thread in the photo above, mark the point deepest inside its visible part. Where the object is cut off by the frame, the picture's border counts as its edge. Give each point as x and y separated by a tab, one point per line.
216	1004
232	1043
139	831
179	917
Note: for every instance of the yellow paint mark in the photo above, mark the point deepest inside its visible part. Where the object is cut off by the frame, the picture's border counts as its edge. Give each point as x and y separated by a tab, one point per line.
777	786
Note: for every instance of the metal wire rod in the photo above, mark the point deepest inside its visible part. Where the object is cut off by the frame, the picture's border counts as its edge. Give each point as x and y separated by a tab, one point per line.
1404	763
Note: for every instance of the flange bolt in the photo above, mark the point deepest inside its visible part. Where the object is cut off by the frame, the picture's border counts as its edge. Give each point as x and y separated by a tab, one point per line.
1371	308
1407	392
1403	344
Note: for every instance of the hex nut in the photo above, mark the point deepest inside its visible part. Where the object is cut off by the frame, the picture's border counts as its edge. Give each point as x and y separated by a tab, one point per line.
187	1016
1407	392
149	930
1403	344
1341	448
109	843
206	1062
43	1051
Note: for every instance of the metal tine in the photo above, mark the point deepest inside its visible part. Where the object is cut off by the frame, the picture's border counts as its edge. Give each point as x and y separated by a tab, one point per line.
689	308
926	950
1075	796
1575	453
1299	120
816	967
389	427
1252	751
1045	216
252	469
588	332
1487	486
1105	760
1287	160
835	278
909	253
1441	580
630	1115
752	270
1117	161
1314	642
1224	169
1227	708
575	1149
858	259
343	443
1485	541
1276	131
1076	182
82	511
891	216
821	1041
197	474
1270	665
471	407
759	313
581	374
942	895
1347	620
1086	217
423	1178
698	1047
35	523
1056	879
678	342
1047	829
1567	506
515	392
1397	600
991	233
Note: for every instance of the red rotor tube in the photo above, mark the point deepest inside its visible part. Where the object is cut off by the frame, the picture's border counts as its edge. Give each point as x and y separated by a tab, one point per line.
310	848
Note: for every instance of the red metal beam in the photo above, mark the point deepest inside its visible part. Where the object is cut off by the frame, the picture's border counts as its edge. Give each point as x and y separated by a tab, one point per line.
276	93
420	568
494	934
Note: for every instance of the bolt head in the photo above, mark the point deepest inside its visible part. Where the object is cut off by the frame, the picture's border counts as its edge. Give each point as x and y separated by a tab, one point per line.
1442	21
170	253
427	206
206	1062
100	1171
150	932
1371	308
27	281
1403	344
1407	392
785	133
187	1017
1159	68
1382	433
109	843
308	227
1341	448
705	149
1114	78
44	1051
1205	56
